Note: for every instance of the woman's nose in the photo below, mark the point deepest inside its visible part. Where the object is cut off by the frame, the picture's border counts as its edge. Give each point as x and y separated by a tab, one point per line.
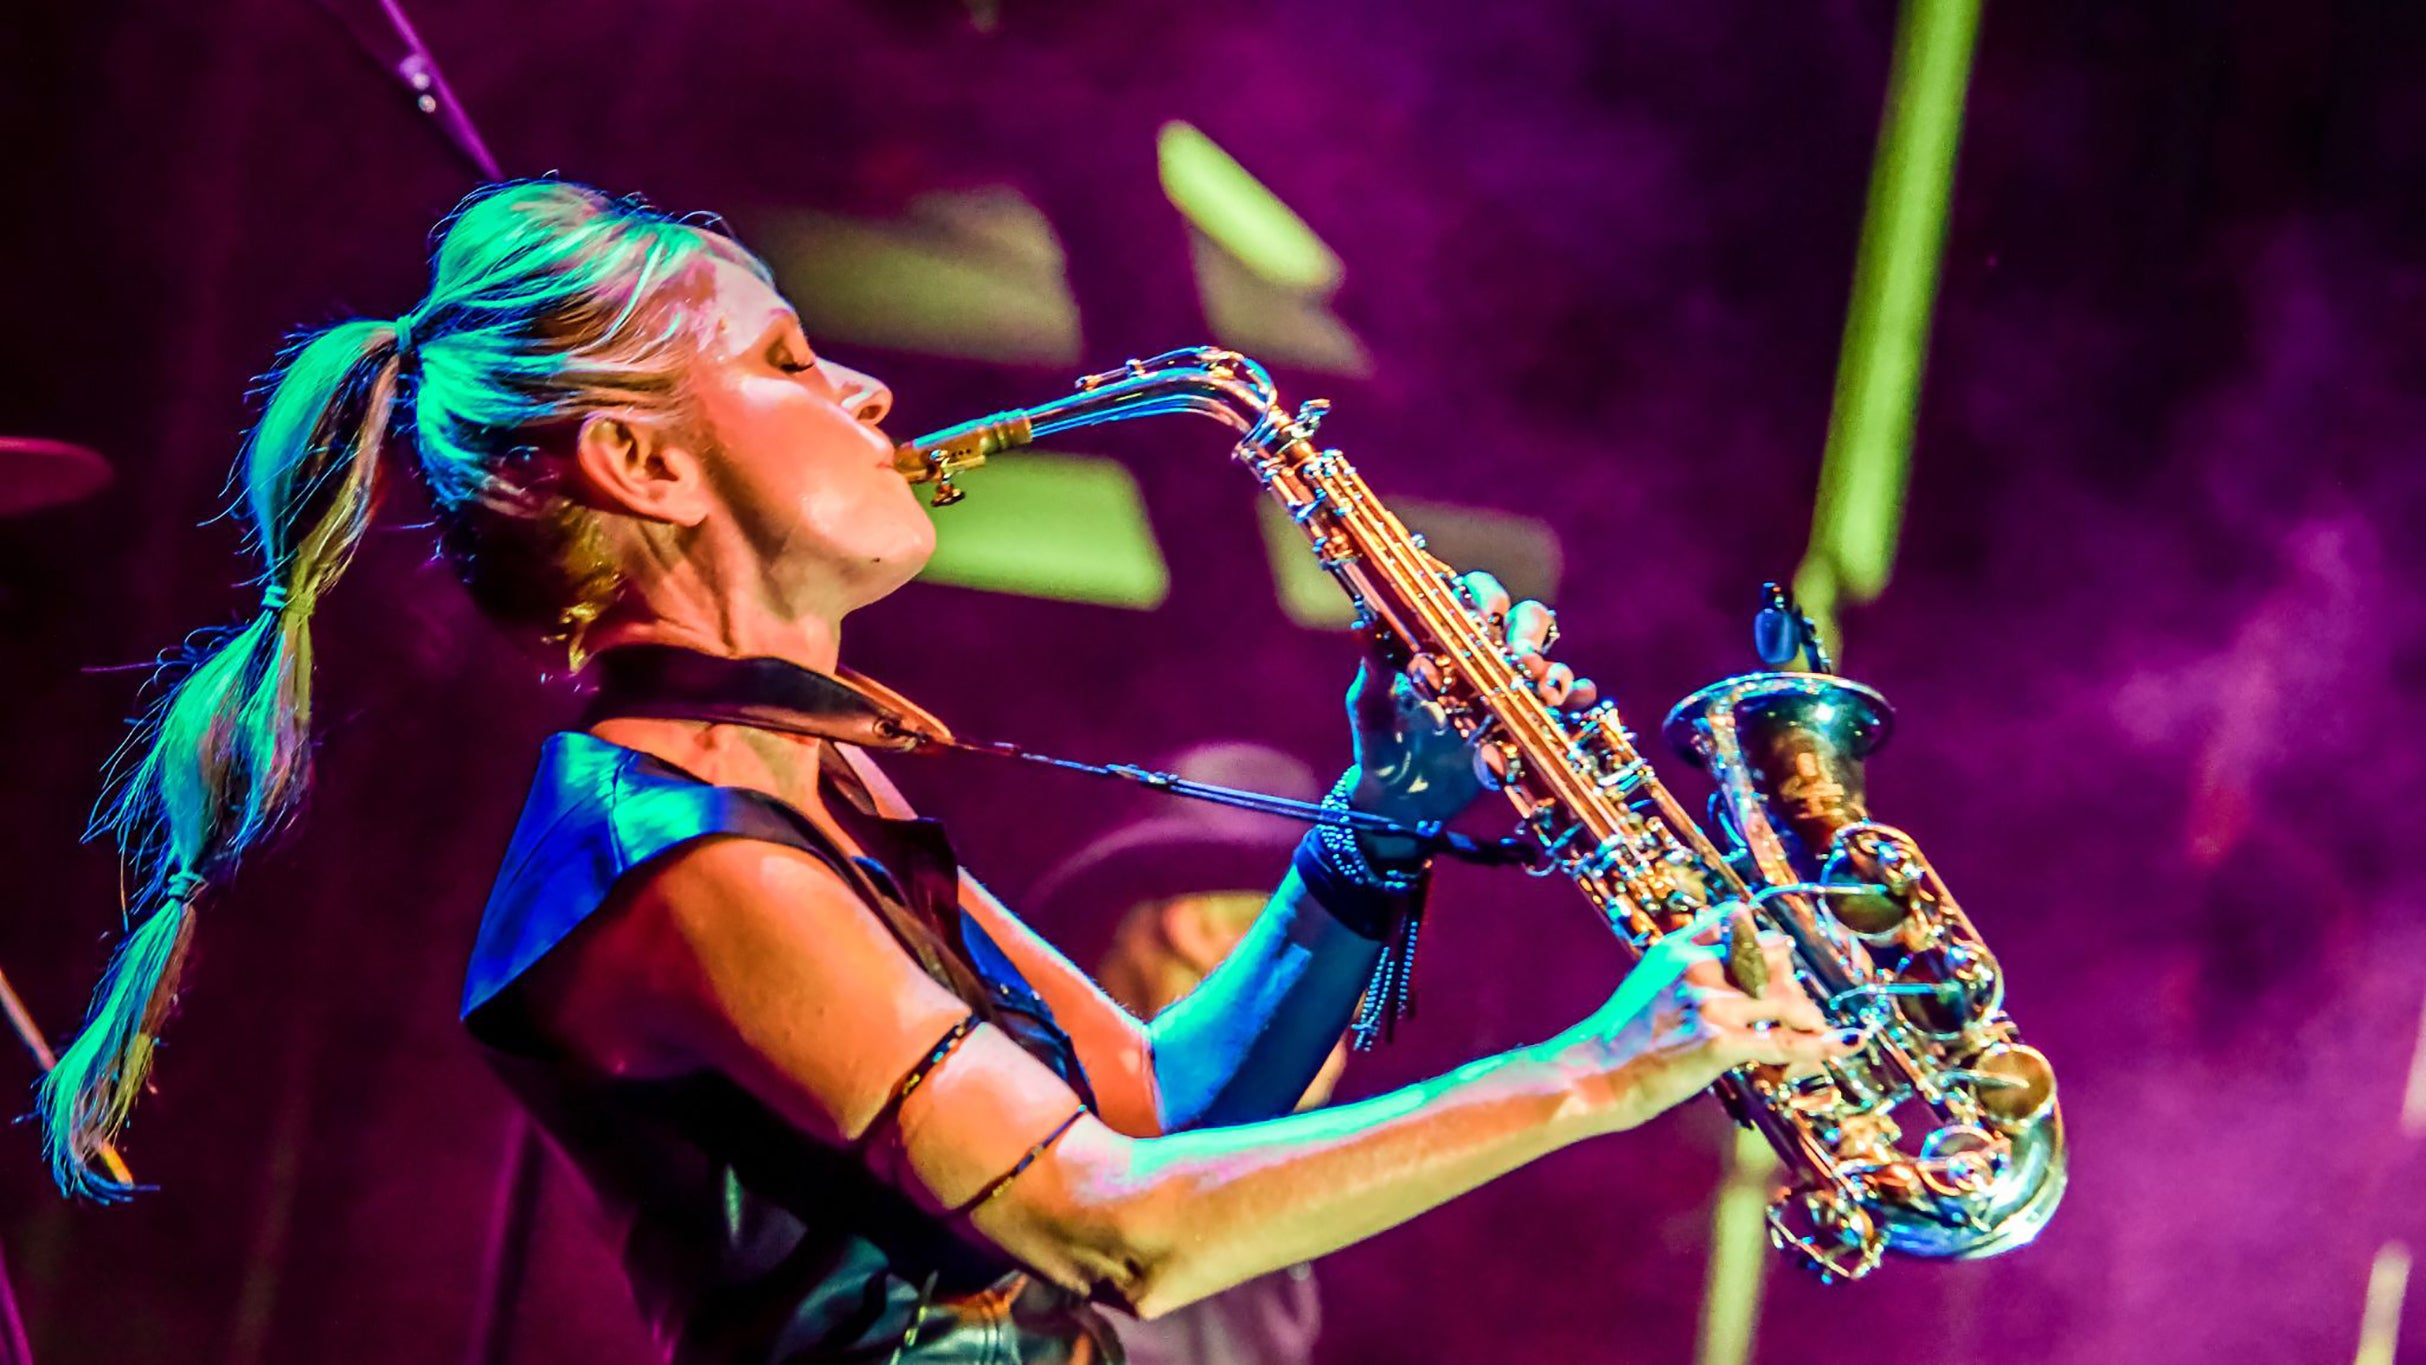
864	396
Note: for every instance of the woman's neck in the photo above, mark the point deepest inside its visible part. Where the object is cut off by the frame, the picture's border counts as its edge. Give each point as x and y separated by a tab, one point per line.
782	765
810	641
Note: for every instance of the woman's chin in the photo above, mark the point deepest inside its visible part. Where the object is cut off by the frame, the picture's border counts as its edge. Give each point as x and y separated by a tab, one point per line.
916	550
885	573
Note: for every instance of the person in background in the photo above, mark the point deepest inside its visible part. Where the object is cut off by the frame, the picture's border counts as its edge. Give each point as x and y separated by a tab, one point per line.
1186	885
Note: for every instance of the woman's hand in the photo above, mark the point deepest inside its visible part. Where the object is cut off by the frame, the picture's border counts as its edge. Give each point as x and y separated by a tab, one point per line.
1675	1026
1411	763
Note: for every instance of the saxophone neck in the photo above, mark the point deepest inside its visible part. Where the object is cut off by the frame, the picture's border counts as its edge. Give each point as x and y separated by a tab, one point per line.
1197	381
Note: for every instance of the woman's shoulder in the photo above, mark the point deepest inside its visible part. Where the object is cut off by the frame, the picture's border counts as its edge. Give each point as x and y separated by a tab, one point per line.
596	812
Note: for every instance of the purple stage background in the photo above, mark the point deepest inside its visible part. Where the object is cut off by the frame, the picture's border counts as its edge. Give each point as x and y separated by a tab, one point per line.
2155	632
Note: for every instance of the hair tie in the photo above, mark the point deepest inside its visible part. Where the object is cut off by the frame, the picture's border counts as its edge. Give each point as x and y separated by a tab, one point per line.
273	597
404	337
183	886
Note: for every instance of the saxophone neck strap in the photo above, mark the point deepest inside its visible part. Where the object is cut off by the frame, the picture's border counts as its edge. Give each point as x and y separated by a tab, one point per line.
1429	834
667	682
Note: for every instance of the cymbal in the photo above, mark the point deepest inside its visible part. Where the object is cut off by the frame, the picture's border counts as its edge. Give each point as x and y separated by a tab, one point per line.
36	472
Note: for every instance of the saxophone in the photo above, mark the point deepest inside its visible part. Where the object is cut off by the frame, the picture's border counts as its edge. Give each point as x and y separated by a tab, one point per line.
1878	940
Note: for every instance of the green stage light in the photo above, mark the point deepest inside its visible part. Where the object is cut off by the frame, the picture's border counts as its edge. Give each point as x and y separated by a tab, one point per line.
1739	1251
1284	327
1522	552
2380	1319
1265	278
1233	208
1860	508
973	275
1072	528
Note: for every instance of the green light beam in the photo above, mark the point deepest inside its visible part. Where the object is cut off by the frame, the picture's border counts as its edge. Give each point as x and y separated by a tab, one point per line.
1878	382
1522	552
970	274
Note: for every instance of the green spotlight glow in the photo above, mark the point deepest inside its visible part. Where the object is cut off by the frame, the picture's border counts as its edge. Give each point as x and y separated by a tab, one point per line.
974	275
1068	527
2380	1321
1232	207
1522	552
1862	479
1280	326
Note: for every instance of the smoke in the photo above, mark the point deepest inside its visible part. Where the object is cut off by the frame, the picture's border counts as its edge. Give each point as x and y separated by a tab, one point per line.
2159	714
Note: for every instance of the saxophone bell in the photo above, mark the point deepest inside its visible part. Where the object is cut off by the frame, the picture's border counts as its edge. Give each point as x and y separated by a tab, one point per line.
1788	753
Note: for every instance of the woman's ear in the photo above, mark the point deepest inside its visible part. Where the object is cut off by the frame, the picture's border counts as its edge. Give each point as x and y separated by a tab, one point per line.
632	467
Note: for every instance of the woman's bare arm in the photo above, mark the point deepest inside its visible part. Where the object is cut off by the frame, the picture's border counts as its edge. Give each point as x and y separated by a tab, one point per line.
1112	1044
755	960
1242	1046
1116	1048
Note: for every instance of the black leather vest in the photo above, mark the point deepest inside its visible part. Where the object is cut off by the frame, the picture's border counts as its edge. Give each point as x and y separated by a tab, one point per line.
745	1240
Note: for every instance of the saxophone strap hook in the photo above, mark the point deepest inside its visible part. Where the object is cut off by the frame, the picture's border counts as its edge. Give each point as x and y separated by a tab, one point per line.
1430	835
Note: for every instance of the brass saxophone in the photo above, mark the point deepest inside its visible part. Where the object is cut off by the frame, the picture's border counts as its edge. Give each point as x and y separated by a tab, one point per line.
1879	941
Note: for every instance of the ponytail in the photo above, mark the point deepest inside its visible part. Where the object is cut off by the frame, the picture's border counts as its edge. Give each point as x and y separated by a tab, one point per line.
223	757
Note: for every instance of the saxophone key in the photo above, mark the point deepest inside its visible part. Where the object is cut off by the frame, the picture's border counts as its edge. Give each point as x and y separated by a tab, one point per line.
1627	778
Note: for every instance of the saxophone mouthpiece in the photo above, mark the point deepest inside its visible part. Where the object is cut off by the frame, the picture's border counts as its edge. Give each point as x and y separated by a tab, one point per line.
965	446
939	455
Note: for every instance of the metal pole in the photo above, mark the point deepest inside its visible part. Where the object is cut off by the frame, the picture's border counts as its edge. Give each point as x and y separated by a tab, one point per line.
14	1348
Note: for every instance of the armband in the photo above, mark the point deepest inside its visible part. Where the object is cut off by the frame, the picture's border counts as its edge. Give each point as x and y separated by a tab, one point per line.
917	1075
998	1183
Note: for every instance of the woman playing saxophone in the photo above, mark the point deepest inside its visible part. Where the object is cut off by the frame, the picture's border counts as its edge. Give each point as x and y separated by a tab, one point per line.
838	1102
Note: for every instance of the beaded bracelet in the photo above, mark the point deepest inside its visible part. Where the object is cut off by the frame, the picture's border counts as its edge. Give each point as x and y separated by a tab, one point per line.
1347	856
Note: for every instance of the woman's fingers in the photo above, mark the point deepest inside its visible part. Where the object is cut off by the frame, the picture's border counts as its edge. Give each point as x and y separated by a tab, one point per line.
1783	1001
1793	1049
1786	988
1742	1029
1529	627
1532	629
1556	685
1556	682
1709	928
1484	593
1373	698
1418	717
1734	1009
1778	951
